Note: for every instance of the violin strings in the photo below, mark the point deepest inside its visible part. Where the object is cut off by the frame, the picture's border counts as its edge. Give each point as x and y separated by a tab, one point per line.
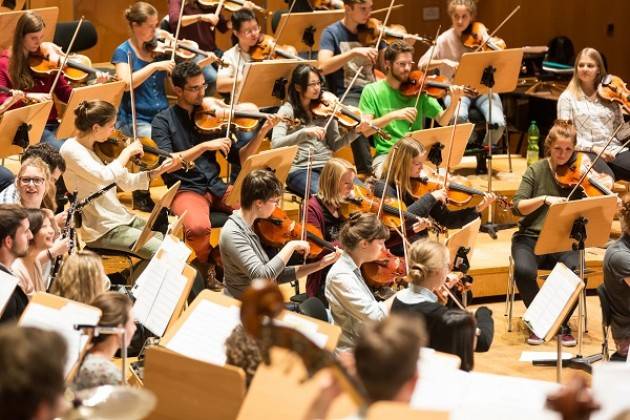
65	57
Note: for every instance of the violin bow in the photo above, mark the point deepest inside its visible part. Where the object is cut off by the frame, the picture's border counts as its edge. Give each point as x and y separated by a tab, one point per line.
389	172
179	25
233	98
384	24
132	99
402	227
280	30
307	195
385	9
516	9
343	97
426	69
450	148
65	57
217	11
599	155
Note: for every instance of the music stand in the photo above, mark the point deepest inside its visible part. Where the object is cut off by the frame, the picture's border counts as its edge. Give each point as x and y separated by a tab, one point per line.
9	21
265	83
490	72
461	246
22	126
164	202
109	92
574	225
278	160
303	30
437	142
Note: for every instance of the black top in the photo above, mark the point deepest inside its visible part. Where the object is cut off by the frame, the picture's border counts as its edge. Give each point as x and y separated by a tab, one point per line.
174	131
16	304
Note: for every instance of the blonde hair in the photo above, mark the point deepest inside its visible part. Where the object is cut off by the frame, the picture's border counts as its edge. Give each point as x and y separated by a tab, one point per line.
81	277
574	85
471	5
403	152
50	190
329	179
425	257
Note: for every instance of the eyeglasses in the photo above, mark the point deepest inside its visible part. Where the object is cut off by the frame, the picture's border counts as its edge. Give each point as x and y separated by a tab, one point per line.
25	180
404	63
275	201
251	31
317	83
196	89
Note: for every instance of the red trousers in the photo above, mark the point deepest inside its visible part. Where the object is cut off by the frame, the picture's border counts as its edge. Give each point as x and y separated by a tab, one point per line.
197	220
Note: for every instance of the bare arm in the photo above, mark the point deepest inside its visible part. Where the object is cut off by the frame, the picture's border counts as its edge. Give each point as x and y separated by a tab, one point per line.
140	76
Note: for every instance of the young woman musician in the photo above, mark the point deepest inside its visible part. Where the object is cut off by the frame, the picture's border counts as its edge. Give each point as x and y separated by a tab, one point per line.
81	278
448	51
97	368
351	301
595	119
429	265
335	184
404	171
242	253
106	223
305	90
537	191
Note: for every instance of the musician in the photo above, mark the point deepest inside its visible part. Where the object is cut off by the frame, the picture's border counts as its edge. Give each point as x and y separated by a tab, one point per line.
97	368
429	266
404	165
398	114
312	135
245	34
351	301
537	191
447	53
14	237
617	281
43	249
595	119
148	80
106	222
340	56
242	253
81	278
202	189
32	363
323	212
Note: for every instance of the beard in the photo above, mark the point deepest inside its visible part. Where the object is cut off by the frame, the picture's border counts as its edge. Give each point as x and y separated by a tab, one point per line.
17	252
401	77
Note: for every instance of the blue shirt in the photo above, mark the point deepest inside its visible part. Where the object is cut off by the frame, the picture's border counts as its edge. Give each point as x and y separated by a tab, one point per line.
150	95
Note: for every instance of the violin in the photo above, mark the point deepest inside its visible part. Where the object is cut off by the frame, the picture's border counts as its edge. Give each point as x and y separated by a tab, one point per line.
278	229
362	200
111	148
569	174
614	89
385	271
77	68
208	123
476	35
186	49
267	49
369	32
434	85
346	115
459	282
459	196
231	5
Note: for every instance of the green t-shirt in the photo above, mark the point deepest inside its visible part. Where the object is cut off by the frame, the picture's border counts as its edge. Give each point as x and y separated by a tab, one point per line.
379	98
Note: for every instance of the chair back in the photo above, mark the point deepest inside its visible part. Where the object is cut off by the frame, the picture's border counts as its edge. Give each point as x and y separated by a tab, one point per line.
314	308
86	38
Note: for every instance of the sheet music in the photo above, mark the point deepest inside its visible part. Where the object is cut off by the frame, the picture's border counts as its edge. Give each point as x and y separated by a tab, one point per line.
203	335
62	321
306	327
551	300
156	267
611	387
158	298
7	285
172	254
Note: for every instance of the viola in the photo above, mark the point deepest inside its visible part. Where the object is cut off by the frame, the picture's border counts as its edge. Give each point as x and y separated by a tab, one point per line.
266	49
231	5
110	149
476	35
278	229
385	271
346	115
614	89
362	200
459	196
434	85
77	68
369	32
244	120
569	174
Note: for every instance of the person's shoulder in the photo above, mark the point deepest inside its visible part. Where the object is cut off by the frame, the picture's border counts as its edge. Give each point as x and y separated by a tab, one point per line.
567	95
618	251
70	145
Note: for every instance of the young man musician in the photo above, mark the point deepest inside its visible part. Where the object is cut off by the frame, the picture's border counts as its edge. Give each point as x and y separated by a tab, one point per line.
14	238
202	188
395	112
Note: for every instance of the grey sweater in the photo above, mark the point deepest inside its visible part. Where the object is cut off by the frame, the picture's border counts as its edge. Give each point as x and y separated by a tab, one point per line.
322	150
244	258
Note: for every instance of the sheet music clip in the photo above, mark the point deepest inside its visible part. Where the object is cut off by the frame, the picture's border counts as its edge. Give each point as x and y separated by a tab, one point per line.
308	36
578	232
435	154
21	135
487	78
279	88
461	260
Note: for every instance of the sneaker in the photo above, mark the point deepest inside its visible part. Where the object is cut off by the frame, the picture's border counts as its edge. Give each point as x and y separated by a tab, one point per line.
568	340
534	340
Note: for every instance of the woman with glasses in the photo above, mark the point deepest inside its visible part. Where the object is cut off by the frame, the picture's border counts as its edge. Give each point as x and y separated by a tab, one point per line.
242	253
314	135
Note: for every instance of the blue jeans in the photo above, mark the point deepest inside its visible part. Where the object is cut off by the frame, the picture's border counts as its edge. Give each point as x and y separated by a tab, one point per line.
143	129
50	136
482	103
296	181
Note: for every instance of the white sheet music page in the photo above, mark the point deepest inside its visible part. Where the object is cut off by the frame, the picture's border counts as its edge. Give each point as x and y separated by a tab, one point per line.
152	278
203	335
62	321
551	300
7	285
611	387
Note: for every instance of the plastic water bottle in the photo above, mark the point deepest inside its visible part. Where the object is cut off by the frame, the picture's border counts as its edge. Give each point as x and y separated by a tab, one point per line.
533	134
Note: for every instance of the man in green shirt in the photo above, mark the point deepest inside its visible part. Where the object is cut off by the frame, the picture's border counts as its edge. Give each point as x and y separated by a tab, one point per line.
394	112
